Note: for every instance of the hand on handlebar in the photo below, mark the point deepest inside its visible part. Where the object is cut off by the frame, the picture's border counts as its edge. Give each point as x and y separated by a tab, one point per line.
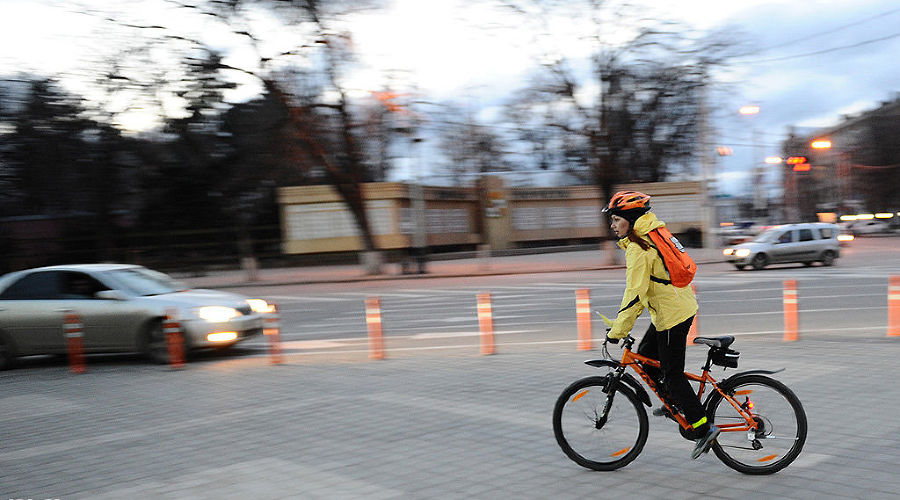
609	324
611	340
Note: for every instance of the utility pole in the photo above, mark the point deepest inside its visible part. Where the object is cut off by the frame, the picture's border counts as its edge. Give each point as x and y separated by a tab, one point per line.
706	171
420	234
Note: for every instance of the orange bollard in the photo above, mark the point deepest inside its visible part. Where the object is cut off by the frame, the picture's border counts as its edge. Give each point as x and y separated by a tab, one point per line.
271	327
695	325
174	340
791	321
486	323
894	307
74	341
583	315
373	322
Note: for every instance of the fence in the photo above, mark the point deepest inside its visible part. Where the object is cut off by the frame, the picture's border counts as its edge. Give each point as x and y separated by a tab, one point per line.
317	226
38	241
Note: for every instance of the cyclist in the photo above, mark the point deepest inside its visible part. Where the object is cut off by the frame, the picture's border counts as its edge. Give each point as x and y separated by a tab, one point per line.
672	309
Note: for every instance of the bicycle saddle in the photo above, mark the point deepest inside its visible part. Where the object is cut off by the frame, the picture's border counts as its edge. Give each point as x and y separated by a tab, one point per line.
720	342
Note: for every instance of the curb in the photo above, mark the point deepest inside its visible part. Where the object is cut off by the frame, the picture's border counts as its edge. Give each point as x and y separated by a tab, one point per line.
394	277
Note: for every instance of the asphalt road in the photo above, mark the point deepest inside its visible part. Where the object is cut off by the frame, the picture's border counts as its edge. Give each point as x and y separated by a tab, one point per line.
845	299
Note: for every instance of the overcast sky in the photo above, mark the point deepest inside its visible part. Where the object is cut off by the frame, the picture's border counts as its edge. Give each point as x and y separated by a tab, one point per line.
858	43
811	90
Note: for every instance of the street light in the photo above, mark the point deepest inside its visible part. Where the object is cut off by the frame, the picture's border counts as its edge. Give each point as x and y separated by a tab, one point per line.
749	110
843	167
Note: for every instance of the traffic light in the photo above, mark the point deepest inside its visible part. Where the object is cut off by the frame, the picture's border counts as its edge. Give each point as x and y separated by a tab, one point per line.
800	163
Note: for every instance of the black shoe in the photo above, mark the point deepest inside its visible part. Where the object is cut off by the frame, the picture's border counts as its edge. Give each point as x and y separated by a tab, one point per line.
705	442
662	411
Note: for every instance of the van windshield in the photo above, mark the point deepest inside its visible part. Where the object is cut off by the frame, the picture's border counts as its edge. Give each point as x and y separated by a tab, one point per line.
767	235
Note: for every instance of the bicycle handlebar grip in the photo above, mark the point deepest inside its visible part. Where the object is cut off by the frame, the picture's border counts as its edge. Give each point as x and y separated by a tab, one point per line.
610	339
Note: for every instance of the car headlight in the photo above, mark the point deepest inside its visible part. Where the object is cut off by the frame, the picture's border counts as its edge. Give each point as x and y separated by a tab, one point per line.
728	251
260	306
217	314
742	252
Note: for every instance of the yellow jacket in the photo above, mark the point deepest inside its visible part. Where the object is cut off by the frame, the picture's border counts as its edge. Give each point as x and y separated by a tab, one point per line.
668	304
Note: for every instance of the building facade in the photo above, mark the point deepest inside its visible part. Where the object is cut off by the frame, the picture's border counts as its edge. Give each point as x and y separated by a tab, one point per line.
858	170
314	218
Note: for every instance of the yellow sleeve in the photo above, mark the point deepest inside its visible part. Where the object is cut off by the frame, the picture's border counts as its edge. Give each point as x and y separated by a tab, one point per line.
637	282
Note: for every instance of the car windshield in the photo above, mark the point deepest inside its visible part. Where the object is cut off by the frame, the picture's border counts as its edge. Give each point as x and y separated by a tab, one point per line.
141	281
767	235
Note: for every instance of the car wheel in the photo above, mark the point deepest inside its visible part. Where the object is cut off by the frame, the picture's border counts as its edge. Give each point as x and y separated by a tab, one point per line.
7	355
155	348
828	258
759	261
807	263
740	267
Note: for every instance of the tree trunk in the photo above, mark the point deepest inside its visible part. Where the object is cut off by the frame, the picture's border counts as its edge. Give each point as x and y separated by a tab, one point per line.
347	180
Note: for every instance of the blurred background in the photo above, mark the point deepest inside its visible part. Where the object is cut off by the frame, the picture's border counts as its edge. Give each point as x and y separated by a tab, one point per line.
192	135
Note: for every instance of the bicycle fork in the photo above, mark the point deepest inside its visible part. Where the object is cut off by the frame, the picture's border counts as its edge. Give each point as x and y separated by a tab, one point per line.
613	379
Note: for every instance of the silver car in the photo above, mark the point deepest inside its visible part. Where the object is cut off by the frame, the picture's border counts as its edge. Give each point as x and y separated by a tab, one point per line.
806	243
122	308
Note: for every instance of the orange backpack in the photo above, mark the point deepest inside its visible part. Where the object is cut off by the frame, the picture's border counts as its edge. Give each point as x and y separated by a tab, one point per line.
678	263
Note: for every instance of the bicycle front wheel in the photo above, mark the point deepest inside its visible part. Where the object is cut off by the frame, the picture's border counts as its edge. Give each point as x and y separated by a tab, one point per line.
593	441
780	419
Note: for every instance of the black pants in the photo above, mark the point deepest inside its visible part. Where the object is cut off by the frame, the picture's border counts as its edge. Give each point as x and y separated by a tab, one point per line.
668	346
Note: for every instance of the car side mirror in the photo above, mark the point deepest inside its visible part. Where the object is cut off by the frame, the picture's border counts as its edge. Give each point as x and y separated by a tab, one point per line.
110	295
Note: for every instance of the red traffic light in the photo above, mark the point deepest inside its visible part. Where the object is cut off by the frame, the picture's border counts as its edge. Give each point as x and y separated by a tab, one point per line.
797	160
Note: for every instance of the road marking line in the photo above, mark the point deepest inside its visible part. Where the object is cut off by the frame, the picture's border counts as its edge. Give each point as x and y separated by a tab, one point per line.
311	344
438	335
306	298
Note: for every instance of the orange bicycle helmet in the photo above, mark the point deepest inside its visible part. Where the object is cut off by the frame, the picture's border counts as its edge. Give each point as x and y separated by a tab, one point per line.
627	200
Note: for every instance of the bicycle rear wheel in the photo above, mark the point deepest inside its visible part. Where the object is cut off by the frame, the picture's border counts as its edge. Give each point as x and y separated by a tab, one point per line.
591	441
781	425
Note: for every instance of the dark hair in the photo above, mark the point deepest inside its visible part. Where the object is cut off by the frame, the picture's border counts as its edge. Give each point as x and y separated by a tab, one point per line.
631	235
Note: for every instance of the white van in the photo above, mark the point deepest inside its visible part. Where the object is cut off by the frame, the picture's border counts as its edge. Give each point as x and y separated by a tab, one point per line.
806	243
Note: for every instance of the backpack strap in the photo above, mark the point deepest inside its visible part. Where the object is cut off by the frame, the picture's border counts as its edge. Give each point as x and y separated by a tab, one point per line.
661	259
660	280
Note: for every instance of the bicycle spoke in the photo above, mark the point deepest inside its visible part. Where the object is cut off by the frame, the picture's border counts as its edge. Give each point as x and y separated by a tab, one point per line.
778	418
593	439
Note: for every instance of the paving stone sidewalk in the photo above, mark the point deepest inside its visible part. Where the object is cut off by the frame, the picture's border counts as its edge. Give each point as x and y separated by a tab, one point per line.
422	425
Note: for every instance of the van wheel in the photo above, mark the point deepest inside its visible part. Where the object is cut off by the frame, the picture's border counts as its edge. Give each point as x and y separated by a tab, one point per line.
828	258
740	267
760	261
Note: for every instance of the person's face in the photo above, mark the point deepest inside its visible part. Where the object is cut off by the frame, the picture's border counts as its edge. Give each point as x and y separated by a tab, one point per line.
619	226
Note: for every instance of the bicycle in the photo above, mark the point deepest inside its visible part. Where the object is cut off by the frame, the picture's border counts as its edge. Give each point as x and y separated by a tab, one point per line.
601	423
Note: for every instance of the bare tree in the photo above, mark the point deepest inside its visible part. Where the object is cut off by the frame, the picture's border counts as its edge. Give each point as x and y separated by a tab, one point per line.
469	147
306	79
629	111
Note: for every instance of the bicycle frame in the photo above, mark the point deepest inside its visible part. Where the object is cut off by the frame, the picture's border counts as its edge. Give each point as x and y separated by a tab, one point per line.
635	361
